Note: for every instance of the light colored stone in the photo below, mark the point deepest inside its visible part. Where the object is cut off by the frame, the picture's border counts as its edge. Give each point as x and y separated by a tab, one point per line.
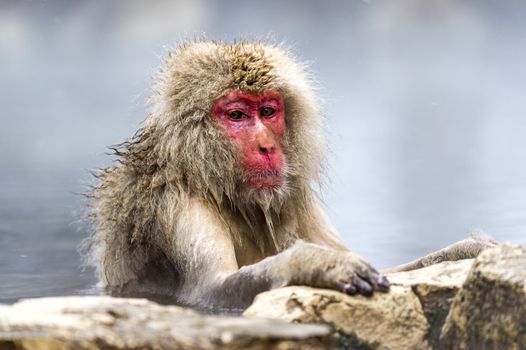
435	286
489	312
393	320
444	275
110	323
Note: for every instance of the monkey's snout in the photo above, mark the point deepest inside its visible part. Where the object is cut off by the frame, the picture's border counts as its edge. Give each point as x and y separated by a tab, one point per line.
267	150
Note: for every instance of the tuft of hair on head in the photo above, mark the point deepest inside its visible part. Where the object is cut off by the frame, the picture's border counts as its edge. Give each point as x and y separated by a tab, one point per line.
190	144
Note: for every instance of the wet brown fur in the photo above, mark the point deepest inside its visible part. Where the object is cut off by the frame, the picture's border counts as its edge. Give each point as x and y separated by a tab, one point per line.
181	158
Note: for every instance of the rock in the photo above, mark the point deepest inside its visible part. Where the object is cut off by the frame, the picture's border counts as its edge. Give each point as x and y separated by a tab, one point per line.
409	317
489	311
435	286
393	320
112	323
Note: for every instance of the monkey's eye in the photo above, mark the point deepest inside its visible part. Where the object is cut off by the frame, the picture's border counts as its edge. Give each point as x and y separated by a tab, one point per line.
267	111
235	115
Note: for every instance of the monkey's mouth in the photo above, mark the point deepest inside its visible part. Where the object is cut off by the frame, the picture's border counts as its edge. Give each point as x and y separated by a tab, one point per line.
265	179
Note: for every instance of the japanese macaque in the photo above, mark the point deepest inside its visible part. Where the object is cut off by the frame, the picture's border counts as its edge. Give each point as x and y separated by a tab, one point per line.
211	201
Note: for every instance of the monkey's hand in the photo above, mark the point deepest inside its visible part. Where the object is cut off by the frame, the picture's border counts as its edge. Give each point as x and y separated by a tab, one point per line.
304	264
317	266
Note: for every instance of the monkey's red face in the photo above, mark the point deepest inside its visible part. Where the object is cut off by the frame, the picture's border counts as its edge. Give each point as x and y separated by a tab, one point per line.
255	124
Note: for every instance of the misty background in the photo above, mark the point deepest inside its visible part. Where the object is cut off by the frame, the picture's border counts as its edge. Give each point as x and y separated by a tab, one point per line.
425	105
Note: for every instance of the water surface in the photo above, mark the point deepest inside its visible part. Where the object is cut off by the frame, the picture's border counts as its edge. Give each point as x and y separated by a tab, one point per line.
424	101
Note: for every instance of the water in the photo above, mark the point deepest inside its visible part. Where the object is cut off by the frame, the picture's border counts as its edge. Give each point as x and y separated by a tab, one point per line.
39	236
424	102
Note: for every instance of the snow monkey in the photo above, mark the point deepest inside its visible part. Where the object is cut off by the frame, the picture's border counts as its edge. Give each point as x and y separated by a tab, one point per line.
212	200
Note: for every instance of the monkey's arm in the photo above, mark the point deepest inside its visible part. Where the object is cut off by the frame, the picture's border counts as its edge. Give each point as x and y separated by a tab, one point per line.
464	249
212	279
302	264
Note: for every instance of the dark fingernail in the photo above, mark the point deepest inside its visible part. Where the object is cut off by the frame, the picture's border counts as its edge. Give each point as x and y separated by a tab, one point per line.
350	289
364	287
383	284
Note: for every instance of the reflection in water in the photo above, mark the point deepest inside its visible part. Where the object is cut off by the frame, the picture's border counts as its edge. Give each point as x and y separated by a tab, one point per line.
424	103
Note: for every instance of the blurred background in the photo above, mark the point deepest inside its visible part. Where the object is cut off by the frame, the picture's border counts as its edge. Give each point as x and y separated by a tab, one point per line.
425	101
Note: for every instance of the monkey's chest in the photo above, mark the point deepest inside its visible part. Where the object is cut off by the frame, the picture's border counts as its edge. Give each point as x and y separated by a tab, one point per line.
248	253
252	243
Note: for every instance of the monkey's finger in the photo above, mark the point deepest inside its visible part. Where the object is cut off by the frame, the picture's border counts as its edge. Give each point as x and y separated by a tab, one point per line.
383	284
363	287
349	288
366	271
369	274
378	281
374	278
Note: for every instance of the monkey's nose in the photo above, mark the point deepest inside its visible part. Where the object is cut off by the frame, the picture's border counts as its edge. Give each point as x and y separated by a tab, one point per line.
265	150
265	141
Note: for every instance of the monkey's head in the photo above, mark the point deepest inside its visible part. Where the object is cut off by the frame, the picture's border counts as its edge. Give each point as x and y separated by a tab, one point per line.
238	120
